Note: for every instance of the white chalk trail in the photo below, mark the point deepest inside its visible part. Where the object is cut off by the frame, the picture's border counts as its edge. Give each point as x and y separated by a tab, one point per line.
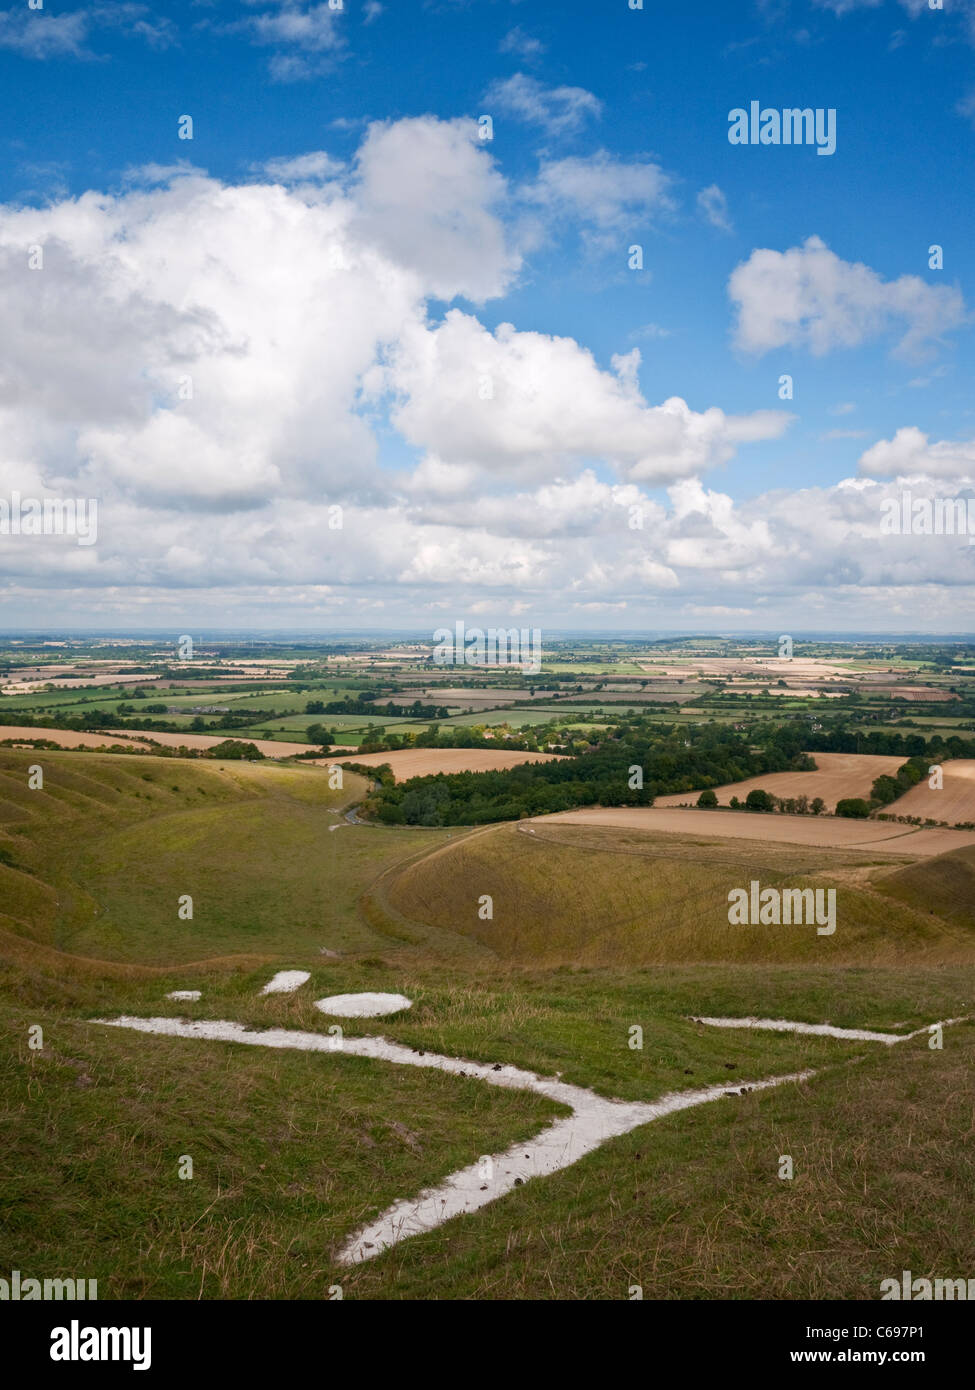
825	1030
593	1121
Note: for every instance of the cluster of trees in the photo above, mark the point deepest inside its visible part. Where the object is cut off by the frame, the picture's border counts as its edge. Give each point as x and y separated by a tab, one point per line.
629	769
234	748
887	789
927	820
543	737
841	739
760	800
317	733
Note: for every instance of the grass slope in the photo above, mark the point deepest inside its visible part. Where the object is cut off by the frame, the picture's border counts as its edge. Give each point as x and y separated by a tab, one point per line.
588	895
943	886
293	1152
96	862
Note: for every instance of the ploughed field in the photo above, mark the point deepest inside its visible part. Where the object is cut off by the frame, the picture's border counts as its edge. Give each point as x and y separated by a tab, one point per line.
72	738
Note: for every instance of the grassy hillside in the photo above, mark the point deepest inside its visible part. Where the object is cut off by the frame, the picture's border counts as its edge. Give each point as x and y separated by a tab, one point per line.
597	896
594	933
96	862
943	886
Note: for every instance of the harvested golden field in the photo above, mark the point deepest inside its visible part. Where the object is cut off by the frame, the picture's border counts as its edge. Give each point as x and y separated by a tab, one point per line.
823	831
270	747
423	762
70	738
26	686
953	803
138	739
838	775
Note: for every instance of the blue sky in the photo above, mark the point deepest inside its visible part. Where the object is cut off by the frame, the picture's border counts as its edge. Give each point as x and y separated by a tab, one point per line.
610	129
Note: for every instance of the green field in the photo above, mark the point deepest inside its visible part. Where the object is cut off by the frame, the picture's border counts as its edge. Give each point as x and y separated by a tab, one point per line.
81	700
517	718
91	698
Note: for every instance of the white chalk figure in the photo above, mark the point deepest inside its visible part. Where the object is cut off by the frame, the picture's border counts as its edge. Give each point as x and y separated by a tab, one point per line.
191	994
363	1005
591	1122
286	982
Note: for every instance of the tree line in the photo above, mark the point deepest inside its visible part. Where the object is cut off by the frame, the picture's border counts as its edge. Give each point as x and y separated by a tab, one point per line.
630	768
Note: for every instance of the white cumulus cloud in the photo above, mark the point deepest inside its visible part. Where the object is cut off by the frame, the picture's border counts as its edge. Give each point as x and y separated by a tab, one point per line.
911	453
526	403
809	296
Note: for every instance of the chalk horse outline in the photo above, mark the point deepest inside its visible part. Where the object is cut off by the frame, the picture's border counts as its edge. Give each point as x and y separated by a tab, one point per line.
592	1122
